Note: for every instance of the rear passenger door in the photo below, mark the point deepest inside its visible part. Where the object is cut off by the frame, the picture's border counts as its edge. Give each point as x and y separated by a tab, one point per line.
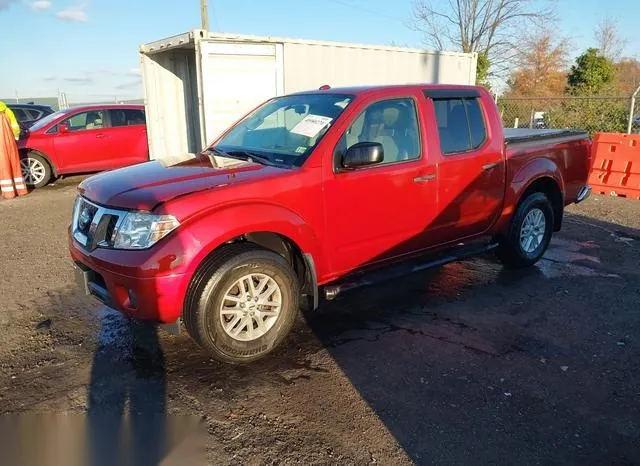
127	137
471	172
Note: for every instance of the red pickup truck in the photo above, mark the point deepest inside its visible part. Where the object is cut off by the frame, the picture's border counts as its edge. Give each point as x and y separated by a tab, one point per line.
315	193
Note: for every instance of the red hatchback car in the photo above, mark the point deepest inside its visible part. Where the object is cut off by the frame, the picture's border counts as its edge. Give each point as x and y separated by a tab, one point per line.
83	139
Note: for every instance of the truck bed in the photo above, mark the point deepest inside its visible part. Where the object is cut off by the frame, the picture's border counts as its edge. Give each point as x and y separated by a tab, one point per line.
525	135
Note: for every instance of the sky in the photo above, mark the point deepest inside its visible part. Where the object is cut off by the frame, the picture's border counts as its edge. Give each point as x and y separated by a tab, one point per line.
89	48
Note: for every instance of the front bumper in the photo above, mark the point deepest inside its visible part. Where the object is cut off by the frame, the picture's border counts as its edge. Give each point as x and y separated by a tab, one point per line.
136	292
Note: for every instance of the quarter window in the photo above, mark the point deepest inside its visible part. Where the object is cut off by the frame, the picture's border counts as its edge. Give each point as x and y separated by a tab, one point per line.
20	114
461	124
392	123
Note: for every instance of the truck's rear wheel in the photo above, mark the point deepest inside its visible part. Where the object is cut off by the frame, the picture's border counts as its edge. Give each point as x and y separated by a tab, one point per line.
529	233
242	303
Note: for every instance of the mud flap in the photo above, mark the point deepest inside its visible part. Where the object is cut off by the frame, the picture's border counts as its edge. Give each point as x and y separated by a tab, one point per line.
174	328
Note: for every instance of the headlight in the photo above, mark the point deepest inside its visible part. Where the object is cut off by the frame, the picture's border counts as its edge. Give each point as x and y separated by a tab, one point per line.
141	230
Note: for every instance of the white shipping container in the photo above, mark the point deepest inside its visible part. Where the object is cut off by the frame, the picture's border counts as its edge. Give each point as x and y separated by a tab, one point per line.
199	83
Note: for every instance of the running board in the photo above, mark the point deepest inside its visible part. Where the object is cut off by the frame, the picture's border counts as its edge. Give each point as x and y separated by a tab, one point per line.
400	270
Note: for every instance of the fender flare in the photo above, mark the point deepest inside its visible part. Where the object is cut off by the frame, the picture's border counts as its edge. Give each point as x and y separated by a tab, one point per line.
215	227
532	172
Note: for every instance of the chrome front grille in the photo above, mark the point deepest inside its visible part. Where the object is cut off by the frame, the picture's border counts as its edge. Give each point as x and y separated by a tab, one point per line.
93	225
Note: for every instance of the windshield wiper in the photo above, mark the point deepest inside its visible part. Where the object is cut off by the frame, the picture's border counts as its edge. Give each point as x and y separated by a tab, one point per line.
253	157
221	153
244	155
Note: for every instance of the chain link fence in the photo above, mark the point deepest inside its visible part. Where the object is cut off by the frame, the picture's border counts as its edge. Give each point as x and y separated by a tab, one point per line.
635	120
592	114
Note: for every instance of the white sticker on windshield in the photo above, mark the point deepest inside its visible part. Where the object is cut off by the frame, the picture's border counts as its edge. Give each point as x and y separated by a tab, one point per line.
311	125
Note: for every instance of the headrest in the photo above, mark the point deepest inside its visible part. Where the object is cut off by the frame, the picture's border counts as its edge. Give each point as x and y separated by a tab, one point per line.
390	116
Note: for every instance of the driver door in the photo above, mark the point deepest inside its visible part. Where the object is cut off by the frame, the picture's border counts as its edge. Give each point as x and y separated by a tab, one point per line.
380	212
84	145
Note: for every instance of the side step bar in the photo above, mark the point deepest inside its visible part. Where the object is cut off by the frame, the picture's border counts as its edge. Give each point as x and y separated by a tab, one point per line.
403	269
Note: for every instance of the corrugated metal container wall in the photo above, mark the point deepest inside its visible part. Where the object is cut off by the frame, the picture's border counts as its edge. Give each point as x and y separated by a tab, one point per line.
198	83
309	66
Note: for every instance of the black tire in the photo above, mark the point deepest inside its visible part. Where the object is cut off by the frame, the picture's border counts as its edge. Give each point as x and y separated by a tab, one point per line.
201	313
510	250
48	172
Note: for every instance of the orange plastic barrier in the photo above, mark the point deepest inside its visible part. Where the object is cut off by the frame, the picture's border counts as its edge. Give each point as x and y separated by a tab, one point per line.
616	165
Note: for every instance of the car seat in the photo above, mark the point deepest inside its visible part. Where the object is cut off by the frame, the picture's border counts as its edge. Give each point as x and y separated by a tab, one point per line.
94	120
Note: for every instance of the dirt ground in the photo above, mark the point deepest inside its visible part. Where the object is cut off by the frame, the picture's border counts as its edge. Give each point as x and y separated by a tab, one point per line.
467	364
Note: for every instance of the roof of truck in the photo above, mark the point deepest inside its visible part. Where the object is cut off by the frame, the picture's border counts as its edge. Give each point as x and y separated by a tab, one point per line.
357	90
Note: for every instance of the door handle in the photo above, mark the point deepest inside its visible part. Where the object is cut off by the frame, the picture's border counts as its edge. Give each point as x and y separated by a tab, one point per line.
422	179
489	166
100	136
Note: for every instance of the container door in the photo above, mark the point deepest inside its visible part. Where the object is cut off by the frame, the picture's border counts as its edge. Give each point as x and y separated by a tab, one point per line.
235	79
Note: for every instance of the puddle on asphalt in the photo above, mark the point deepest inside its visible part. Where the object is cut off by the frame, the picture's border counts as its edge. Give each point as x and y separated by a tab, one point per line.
562	257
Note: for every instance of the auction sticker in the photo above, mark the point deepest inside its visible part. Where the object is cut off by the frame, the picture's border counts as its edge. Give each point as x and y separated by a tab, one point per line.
311	125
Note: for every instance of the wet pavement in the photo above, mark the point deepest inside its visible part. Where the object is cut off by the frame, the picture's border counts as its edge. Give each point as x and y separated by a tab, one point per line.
466	364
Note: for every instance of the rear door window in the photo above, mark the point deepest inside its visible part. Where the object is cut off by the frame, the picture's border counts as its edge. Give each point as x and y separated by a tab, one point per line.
126	117
461	124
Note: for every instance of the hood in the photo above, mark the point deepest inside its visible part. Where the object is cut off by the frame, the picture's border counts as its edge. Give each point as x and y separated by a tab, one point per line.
146	185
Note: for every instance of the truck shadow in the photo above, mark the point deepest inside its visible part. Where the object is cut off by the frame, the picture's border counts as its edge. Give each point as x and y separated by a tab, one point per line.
127	394
454	361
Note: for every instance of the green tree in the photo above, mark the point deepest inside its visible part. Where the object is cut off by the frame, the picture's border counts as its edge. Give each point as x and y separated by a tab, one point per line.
591	74
482	70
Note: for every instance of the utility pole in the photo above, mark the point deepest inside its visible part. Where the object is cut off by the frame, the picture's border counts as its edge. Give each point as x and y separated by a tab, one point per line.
204	14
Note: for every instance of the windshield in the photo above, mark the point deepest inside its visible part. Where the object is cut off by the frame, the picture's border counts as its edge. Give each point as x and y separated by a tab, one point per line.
46	120
285	129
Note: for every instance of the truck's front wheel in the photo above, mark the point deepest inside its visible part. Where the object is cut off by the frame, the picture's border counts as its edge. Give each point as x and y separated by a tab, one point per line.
529	233
242	303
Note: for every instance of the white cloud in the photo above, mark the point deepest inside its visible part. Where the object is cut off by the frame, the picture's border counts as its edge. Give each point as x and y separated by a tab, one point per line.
74	13
130	85
41	5
79	80
135	72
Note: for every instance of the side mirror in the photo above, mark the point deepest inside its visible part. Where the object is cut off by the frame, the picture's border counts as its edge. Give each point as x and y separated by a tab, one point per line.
363	154
63	127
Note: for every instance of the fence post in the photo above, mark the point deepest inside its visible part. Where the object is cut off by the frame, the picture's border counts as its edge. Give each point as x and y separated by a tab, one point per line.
632	110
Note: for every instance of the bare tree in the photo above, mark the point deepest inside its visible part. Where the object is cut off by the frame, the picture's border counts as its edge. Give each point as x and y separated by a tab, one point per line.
492	27
608	41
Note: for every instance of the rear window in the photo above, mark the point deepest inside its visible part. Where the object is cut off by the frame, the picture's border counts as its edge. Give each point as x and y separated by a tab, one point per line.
461	124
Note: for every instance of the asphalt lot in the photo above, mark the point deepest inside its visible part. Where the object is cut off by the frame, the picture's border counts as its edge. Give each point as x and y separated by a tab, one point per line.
467	364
